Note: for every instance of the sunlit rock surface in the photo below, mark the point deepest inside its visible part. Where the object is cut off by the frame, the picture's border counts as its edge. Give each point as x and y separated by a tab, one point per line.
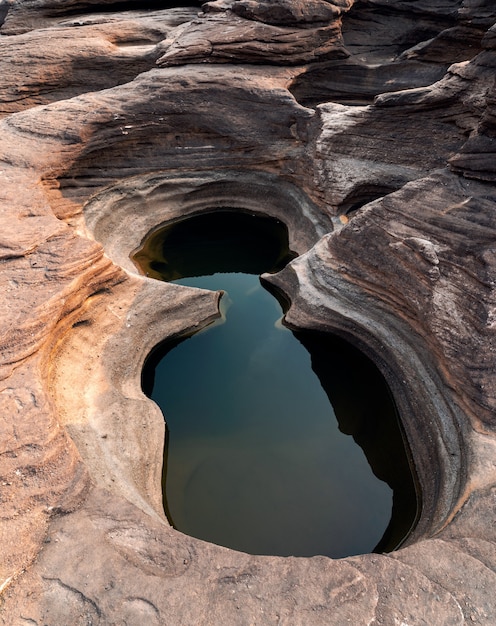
374	124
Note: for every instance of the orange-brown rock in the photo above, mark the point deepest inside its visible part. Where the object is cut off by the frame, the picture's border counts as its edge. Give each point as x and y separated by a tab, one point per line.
367	127
281	33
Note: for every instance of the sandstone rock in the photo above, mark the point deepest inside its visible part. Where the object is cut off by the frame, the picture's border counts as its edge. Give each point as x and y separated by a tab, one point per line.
477	157
358	83
80	54
258	32
4	9
391	206
287	12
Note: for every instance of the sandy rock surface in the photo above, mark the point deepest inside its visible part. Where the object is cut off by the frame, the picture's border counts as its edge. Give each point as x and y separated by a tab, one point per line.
369	128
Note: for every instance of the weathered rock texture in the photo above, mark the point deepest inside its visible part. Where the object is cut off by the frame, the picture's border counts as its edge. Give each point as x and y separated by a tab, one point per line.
369	128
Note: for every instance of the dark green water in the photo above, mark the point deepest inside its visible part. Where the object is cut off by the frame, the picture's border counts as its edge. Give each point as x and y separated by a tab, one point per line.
259	455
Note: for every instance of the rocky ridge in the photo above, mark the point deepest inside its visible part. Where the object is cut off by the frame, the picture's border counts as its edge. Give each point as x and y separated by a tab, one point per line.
371	129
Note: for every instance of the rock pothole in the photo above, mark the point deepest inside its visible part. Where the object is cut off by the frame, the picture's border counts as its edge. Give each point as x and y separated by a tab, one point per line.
409	278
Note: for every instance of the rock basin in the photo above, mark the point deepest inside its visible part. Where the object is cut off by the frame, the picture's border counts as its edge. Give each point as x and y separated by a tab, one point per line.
390	203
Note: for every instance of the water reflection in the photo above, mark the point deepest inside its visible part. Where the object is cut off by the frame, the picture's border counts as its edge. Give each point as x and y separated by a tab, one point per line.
365	410
222	241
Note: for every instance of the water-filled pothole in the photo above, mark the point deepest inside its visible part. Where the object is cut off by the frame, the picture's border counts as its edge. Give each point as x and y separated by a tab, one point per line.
258	455
220	241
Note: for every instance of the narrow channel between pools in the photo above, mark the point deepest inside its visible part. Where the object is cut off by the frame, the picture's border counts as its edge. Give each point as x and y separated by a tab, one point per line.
278	442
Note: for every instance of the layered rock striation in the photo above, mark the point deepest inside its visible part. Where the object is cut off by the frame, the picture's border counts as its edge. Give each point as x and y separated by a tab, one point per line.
369	128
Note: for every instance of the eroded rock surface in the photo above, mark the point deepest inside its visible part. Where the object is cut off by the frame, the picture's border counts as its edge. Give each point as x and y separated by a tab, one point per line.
369	127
